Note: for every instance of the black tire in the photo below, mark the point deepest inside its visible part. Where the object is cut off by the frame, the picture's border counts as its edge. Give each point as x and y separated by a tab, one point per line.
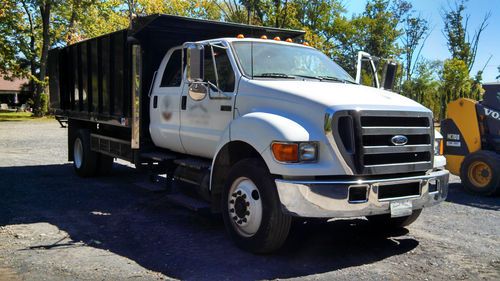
104	164
274	226
85	161
385	220
489	158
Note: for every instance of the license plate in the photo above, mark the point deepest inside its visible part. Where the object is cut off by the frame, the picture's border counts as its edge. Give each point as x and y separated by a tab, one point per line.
401	208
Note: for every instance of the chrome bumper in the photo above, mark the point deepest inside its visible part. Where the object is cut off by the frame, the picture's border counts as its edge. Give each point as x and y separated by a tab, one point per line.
329	199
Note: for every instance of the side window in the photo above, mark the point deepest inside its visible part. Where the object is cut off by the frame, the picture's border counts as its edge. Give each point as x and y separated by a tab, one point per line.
172	76
224	69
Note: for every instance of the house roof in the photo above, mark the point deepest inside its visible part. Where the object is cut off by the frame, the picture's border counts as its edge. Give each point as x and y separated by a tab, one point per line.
14	85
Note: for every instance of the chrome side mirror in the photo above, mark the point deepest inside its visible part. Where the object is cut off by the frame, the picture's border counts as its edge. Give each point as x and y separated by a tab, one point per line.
198	90
195	55
389	75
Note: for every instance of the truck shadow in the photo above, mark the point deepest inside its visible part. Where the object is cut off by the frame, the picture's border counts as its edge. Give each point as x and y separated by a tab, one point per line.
112	213
458	195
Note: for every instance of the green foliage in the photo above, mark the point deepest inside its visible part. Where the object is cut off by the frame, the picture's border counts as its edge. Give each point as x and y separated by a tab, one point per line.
458	38
425	88
385	29
43	109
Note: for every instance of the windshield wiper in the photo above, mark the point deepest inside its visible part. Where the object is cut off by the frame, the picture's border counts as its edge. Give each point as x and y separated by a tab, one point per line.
309	77
275	75
336	79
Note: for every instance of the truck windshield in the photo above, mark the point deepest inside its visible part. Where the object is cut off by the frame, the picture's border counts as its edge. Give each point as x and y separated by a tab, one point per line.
271	60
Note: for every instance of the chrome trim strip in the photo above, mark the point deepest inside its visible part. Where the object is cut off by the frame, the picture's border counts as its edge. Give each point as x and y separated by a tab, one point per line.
398	164
396	149
395	130
136	95
399	198
361	181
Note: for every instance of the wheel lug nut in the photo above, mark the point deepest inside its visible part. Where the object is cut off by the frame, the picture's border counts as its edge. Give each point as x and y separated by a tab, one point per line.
240	222
247	213
232	210
234	195
235	218
232	201
248	204
244	196
239	192
244	219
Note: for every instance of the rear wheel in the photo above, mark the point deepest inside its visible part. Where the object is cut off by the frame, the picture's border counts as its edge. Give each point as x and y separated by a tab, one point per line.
480	172
86	162
84	159
385	220
251	208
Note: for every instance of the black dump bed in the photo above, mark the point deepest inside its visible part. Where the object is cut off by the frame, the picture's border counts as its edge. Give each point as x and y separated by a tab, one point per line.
92	80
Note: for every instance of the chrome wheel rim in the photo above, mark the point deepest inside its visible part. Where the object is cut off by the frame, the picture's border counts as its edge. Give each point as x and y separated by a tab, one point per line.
78	153
245	207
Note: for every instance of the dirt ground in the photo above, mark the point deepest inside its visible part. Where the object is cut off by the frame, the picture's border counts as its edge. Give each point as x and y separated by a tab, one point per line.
56	226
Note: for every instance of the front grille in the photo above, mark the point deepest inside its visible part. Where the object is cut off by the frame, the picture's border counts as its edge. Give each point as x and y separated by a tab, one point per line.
372	150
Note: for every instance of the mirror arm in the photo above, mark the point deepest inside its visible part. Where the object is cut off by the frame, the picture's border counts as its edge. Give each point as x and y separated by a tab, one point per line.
215	67
219	91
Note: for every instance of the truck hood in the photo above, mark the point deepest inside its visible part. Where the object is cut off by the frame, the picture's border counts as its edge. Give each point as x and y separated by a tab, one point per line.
339	95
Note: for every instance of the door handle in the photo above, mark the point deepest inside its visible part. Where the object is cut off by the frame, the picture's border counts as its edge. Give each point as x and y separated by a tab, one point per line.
155	101
183	102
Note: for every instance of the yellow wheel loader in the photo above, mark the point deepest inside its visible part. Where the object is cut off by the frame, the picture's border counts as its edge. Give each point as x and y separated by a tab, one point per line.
471	135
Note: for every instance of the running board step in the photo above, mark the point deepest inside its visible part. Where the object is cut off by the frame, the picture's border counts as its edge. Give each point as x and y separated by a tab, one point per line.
193	163
158	156
188	202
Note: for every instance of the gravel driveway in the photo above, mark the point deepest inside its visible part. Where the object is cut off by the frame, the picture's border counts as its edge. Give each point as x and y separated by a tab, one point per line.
56	226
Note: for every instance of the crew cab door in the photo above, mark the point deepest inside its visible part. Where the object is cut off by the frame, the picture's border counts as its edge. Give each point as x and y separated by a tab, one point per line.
165	102
205	110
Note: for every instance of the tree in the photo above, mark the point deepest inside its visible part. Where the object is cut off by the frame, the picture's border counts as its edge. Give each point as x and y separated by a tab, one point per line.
27	25
456	31
416	30
456	82
499	72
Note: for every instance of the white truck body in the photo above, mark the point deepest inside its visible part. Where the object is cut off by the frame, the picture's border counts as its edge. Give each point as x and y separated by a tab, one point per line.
262	130
267	110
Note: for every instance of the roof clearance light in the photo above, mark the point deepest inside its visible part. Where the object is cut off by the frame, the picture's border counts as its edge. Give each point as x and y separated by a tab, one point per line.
240	36
277	38
263	37
305	44
289	40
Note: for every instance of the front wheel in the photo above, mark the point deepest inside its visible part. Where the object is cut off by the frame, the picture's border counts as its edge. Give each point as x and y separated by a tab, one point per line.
251	208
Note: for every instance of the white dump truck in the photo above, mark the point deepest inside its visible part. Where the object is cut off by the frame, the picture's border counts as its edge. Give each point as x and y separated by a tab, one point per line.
263	129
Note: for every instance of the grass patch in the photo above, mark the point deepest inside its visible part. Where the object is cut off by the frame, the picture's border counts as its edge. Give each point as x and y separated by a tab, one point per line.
15	116
22	116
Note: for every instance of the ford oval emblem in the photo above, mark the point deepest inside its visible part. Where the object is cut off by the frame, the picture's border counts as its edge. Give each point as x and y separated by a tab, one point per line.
399	140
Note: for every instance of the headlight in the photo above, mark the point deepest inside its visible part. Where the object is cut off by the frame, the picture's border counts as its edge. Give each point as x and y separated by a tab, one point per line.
438	147
294	152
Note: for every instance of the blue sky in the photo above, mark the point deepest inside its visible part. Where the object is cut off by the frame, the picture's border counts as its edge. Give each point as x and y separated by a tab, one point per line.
435	47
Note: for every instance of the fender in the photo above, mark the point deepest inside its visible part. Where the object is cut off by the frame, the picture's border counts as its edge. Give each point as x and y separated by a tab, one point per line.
260	128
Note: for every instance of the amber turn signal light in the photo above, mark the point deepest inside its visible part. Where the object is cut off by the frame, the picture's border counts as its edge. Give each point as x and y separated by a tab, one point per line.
240	36
285	152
